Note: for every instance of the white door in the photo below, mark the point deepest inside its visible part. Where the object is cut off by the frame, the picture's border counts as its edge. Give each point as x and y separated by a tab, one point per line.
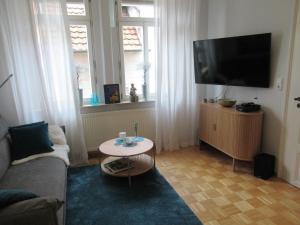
290	169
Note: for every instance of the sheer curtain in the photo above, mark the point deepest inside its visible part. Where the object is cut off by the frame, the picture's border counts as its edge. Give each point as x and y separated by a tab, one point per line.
177	24
105	36
41	62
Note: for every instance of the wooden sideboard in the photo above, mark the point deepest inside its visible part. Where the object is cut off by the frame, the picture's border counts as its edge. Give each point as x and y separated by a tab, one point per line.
235	133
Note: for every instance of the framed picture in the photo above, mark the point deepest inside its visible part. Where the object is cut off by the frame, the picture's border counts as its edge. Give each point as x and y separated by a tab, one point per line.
111	93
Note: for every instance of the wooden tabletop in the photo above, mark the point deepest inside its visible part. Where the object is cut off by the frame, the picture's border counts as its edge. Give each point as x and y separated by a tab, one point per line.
110	148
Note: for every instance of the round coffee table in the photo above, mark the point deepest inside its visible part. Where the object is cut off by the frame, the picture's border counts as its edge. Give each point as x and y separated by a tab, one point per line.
140	157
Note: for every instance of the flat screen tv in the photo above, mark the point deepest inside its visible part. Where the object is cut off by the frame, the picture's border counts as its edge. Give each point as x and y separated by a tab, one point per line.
234	61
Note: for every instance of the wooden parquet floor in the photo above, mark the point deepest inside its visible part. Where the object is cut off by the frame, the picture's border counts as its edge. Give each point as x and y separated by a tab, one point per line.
219	196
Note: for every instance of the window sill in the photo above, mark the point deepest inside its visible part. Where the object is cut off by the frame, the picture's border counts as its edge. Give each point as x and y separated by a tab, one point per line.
125	105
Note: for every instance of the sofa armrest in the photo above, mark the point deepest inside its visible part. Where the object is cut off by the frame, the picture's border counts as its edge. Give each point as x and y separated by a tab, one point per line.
34	211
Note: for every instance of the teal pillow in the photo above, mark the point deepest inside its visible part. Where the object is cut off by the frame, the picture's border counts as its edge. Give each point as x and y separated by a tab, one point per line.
27	125
11	196
29	139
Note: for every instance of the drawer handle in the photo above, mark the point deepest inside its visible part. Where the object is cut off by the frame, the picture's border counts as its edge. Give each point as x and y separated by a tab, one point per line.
215	127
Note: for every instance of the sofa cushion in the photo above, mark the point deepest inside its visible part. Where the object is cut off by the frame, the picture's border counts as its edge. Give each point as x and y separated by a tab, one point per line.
33	211
4	147
45	177
29	140
10	196
4	156
3	128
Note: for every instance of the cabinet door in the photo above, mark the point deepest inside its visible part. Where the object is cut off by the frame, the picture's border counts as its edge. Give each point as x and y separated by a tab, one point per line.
213	127
225	132
204	123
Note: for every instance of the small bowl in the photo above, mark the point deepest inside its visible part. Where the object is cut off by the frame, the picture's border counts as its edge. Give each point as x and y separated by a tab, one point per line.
226	102
129	141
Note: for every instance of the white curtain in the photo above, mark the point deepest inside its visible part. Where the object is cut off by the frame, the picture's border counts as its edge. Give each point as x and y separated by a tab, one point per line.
177	24
105	39
42	66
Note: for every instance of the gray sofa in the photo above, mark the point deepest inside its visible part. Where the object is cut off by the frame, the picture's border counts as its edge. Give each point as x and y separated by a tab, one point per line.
45	177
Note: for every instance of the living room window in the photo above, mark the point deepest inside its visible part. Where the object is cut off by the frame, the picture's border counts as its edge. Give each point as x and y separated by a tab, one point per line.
135	49
80	32
136	27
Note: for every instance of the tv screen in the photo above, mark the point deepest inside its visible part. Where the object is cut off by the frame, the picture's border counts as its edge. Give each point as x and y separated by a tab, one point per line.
234	61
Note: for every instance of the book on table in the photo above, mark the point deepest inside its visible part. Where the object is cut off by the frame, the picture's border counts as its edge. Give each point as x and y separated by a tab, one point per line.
119	165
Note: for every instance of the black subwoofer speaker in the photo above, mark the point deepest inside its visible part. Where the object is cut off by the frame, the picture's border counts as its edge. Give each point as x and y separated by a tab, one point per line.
264	166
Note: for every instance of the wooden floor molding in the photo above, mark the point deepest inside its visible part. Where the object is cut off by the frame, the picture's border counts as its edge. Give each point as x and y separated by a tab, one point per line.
219	196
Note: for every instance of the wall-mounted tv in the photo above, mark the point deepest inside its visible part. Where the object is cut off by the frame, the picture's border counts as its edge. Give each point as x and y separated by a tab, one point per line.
234	61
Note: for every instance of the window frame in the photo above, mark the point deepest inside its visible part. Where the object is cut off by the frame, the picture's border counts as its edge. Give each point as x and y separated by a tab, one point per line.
144	22
85	20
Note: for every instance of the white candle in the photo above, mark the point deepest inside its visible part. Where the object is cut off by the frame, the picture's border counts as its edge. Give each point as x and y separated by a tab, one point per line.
122	135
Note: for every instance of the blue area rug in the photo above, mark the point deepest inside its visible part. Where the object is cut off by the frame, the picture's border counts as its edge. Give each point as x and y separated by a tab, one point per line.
97	199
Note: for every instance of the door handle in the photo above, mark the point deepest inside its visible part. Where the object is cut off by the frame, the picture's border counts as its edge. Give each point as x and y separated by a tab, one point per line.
297	99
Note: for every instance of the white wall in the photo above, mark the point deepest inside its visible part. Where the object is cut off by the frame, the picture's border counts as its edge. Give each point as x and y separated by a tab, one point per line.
243	17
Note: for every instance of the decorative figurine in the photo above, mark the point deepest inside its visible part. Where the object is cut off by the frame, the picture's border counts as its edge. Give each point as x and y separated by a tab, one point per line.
133	96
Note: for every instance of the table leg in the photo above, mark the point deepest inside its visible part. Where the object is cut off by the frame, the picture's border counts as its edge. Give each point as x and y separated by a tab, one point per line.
233	164
129	181
100	162
154	160
129	177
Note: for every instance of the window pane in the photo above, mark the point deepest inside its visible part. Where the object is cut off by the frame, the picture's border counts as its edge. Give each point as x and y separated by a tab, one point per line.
76	9
79	36
137	10
151	66
133	49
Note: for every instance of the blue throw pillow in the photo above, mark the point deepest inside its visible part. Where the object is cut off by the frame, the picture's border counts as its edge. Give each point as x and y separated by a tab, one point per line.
10	196
26	125
29	139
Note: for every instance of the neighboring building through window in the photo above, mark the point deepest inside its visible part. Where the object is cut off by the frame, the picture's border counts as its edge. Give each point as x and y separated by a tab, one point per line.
79	26
137	47
141	10
76	8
